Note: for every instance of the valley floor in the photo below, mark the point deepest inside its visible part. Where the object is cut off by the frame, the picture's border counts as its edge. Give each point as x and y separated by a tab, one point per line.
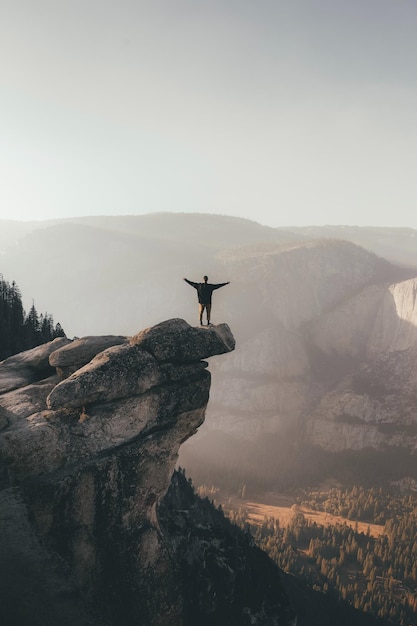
284	508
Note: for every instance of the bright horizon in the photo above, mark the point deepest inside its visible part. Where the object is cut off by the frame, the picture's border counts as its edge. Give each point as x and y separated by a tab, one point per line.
287	114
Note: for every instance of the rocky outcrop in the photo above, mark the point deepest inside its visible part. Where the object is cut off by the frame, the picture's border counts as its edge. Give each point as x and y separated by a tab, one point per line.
85	462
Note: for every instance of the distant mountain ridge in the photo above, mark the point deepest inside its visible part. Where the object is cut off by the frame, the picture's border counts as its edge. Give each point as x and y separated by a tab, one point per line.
393	243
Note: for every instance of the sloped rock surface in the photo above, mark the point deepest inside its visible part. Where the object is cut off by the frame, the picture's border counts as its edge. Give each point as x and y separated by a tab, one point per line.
116	373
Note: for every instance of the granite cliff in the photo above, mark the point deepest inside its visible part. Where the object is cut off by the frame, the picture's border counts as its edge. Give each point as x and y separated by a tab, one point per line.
373	404
324	309
90	433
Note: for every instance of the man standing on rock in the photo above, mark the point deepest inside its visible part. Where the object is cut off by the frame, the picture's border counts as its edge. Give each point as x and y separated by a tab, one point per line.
204	291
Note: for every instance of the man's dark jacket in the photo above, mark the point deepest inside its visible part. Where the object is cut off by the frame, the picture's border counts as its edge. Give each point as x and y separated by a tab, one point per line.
204	290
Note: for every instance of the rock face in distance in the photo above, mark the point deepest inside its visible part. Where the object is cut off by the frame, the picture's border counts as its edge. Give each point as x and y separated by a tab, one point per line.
330	358
85	462
373	404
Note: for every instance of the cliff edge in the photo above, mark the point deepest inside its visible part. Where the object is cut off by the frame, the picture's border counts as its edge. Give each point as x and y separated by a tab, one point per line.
90	432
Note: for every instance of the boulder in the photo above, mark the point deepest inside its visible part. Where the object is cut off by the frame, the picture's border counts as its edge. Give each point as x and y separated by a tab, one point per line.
25	401
80	351
175	340
119	372
29	366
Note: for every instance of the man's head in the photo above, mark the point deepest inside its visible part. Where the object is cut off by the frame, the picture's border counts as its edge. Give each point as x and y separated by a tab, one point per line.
205	278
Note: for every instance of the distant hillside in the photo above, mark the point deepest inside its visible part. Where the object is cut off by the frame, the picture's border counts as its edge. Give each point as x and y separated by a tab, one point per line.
398	245
102	273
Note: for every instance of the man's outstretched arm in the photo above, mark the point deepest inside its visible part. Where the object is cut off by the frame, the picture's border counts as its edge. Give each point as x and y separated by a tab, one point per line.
220	285
190	282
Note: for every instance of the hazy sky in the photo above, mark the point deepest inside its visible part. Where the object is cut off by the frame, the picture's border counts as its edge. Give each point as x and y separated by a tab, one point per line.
286	112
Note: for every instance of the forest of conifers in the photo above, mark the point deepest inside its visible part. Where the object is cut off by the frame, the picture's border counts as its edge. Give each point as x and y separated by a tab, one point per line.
20	331
375	574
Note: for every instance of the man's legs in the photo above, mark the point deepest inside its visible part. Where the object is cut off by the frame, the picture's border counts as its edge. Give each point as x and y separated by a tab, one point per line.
200	311
207	308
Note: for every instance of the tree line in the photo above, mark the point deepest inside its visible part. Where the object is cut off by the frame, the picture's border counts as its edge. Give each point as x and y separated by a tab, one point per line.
375	505
20	331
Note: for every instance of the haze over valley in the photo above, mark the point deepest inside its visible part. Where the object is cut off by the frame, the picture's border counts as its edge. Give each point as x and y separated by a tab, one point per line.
325	328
